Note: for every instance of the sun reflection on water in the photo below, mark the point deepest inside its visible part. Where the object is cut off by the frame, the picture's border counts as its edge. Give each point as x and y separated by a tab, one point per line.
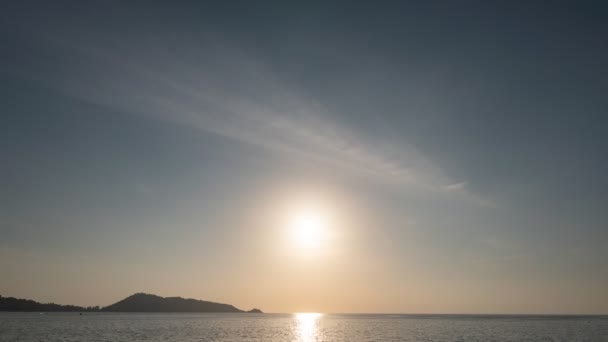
306	329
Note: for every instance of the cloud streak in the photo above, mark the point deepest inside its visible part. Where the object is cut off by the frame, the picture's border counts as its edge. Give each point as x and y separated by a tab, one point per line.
214	87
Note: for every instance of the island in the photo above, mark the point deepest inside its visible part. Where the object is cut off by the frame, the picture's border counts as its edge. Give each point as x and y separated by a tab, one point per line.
139	302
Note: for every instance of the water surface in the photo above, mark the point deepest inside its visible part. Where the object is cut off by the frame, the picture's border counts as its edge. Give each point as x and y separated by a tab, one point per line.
101	327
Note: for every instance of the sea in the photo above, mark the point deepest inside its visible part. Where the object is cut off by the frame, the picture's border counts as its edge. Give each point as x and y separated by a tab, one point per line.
306	327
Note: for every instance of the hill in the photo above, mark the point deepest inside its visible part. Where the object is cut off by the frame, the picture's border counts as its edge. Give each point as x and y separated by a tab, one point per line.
139	302
142	302
16	304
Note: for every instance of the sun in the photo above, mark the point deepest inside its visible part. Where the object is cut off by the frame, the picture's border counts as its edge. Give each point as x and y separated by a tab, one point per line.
309	228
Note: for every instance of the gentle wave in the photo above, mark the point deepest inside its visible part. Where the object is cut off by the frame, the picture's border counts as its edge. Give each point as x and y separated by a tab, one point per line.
100	327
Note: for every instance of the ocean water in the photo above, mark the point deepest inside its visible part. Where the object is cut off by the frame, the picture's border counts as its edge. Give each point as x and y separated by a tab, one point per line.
298	327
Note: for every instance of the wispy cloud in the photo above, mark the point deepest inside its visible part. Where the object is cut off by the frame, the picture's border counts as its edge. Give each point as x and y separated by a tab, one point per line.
214	87
456	186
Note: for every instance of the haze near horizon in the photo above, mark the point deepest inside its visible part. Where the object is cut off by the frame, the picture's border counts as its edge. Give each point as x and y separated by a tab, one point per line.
429	157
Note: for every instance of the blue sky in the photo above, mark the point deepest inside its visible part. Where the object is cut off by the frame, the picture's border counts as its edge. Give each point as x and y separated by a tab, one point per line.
459	148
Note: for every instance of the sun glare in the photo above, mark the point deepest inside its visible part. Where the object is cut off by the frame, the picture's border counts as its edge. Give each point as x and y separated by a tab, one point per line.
309	228
307	326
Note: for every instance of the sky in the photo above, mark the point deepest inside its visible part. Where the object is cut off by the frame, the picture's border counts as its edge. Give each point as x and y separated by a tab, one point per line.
451	156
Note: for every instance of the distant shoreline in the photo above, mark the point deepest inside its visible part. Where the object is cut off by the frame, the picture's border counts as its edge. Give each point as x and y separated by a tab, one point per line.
148	303
137	303
488	317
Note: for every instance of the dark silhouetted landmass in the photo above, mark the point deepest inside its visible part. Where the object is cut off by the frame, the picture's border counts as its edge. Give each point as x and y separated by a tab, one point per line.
15	304
139	302
142	302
